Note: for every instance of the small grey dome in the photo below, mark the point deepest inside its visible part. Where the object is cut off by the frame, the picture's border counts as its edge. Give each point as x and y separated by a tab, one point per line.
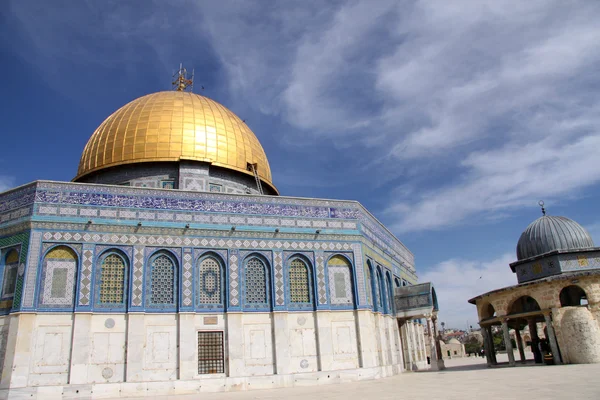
550	233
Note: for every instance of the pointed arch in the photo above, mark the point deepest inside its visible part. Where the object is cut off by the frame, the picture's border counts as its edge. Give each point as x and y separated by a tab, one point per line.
161	280
257	283
9	282
300	282
381	290
390	292
57	288
341	283
210	281
112	276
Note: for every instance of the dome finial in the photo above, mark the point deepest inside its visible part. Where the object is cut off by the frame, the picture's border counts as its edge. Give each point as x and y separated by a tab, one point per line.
541	204
181	82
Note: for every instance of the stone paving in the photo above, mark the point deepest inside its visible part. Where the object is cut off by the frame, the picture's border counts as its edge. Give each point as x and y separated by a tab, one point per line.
466	378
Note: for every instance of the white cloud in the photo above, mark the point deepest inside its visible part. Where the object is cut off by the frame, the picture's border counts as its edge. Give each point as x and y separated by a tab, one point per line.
456	281
501	93
480	106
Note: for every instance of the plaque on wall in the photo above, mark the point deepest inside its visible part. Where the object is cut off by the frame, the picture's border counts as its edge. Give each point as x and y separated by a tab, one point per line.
210	320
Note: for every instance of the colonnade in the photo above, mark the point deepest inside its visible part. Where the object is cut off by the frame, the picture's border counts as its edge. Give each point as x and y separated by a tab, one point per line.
531	319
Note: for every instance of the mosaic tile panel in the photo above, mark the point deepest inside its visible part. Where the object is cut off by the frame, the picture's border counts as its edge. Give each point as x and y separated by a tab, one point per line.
321	286
58	283
187	277
32	269
162	281
340	285
85	284
138	276
255	280
369	286
299	282
183	201
112	280
209	277
234	275
279	284
359	270
9	282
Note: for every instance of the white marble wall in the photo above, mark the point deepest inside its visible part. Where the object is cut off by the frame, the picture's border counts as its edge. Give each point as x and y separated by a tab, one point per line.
111	353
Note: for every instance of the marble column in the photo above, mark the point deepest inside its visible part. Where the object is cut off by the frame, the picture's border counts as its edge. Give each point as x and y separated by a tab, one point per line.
552	339
438	348
491	344
486	346
520	344
432	347
409	355
508	344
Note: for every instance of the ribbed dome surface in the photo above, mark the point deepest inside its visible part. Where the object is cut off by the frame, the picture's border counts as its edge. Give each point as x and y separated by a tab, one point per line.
550	233
174	126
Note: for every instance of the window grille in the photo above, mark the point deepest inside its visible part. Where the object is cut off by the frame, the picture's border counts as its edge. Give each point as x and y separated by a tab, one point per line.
211	359
112	287
256	282
299	282
210	282
163	280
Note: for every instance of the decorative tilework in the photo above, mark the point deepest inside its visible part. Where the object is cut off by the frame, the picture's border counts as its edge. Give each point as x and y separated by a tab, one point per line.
112	276
279	284
359	270
10	279
186	281
209	288
32	268
162	281
65	193
255	281
58	279
138	274
234	275
369	286
85	284
321	287
299	282
340	282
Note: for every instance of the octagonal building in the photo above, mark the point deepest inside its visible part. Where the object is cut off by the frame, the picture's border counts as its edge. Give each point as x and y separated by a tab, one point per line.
171	265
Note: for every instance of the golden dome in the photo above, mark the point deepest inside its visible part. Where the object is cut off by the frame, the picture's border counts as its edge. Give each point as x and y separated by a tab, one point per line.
174	126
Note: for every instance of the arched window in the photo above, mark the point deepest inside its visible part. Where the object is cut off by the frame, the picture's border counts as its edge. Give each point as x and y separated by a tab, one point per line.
488	311
300	282
163	280
397	282
381	292
256	281
369	285
390	293
572	295
524	304
341	289
210	282
58	279
113	278
11	266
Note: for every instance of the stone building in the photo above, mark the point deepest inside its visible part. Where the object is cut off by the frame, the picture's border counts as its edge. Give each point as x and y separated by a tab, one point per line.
557	296
452	348
170	265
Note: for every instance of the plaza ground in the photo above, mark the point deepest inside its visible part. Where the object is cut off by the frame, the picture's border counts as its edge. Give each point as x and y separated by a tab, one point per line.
465	378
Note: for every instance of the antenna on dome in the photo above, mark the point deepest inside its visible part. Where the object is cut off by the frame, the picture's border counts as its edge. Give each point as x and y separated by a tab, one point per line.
541	204
181	82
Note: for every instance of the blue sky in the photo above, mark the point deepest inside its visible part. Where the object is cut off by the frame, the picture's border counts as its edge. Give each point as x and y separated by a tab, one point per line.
448	120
